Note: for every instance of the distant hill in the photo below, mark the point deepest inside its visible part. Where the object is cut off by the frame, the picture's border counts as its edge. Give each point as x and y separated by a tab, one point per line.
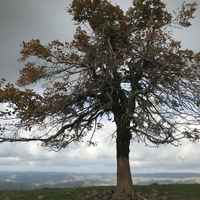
37	180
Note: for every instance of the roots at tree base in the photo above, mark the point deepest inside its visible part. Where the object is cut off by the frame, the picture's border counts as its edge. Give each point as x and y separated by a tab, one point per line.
124	195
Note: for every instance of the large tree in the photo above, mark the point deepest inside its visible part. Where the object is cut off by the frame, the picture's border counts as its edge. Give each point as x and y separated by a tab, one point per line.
122	66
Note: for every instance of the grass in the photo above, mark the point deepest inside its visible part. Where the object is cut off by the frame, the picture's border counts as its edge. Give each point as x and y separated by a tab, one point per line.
172	192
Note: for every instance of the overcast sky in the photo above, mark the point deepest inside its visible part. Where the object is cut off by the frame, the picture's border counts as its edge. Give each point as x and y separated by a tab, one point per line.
47	20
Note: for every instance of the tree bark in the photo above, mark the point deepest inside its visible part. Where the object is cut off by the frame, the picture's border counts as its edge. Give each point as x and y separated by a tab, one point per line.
124	179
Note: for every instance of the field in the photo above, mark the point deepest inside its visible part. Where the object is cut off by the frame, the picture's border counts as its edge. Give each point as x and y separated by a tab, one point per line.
165	192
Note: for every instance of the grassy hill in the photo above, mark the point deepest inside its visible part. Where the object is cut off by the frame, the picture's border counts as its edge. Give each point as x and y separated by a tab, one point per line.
163	192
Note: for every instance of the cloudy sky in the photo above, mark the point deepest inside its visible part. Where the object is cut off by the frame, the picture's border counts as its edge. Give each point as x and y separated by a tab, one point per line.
47	19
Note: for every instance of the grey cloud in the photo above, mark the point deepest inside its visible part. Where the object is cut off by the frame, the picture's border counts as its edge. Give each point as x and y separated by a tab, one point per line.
166	158
82	158
23	20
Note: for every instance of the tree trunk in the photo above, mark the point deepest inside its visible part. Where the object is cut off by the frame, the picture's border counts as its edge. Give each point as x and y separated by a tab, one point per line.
124	180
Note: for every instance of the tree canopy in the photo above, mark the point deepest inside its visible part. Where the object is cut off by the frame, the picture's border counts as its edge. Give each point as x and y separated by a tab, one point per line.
118	63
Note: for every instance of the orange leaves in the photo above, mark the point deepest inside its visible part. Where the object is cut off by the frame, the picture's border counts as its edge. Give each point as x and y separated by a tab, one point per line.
29	74
34	48
107	22
7	92
27	105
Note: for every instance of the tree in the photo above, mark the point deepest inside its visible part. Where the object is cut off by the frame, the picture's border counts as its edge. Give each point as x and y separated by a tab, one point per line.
123	66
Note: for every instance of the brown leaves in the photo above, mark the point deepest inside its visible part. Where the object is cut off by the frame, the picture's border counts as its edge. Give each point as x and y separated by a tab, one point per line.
34	48
27	105
96	13
30	73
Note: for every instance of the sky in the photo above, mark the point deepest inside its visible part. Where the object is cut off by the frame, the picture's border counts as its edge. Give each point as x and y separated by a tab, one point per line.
48	20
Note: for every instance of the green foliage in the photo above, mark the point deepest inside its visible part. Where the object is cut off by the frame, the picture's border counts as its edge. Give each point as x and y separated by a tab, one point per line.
169	192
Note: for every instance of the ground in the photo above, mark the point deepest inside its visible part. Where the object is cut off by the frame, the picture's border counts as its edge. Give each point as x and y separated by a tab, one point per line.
154	192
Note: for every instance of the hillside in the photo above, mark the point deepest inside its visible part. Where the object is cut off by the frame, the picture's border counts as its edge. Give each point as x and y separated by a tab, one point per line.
158	192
